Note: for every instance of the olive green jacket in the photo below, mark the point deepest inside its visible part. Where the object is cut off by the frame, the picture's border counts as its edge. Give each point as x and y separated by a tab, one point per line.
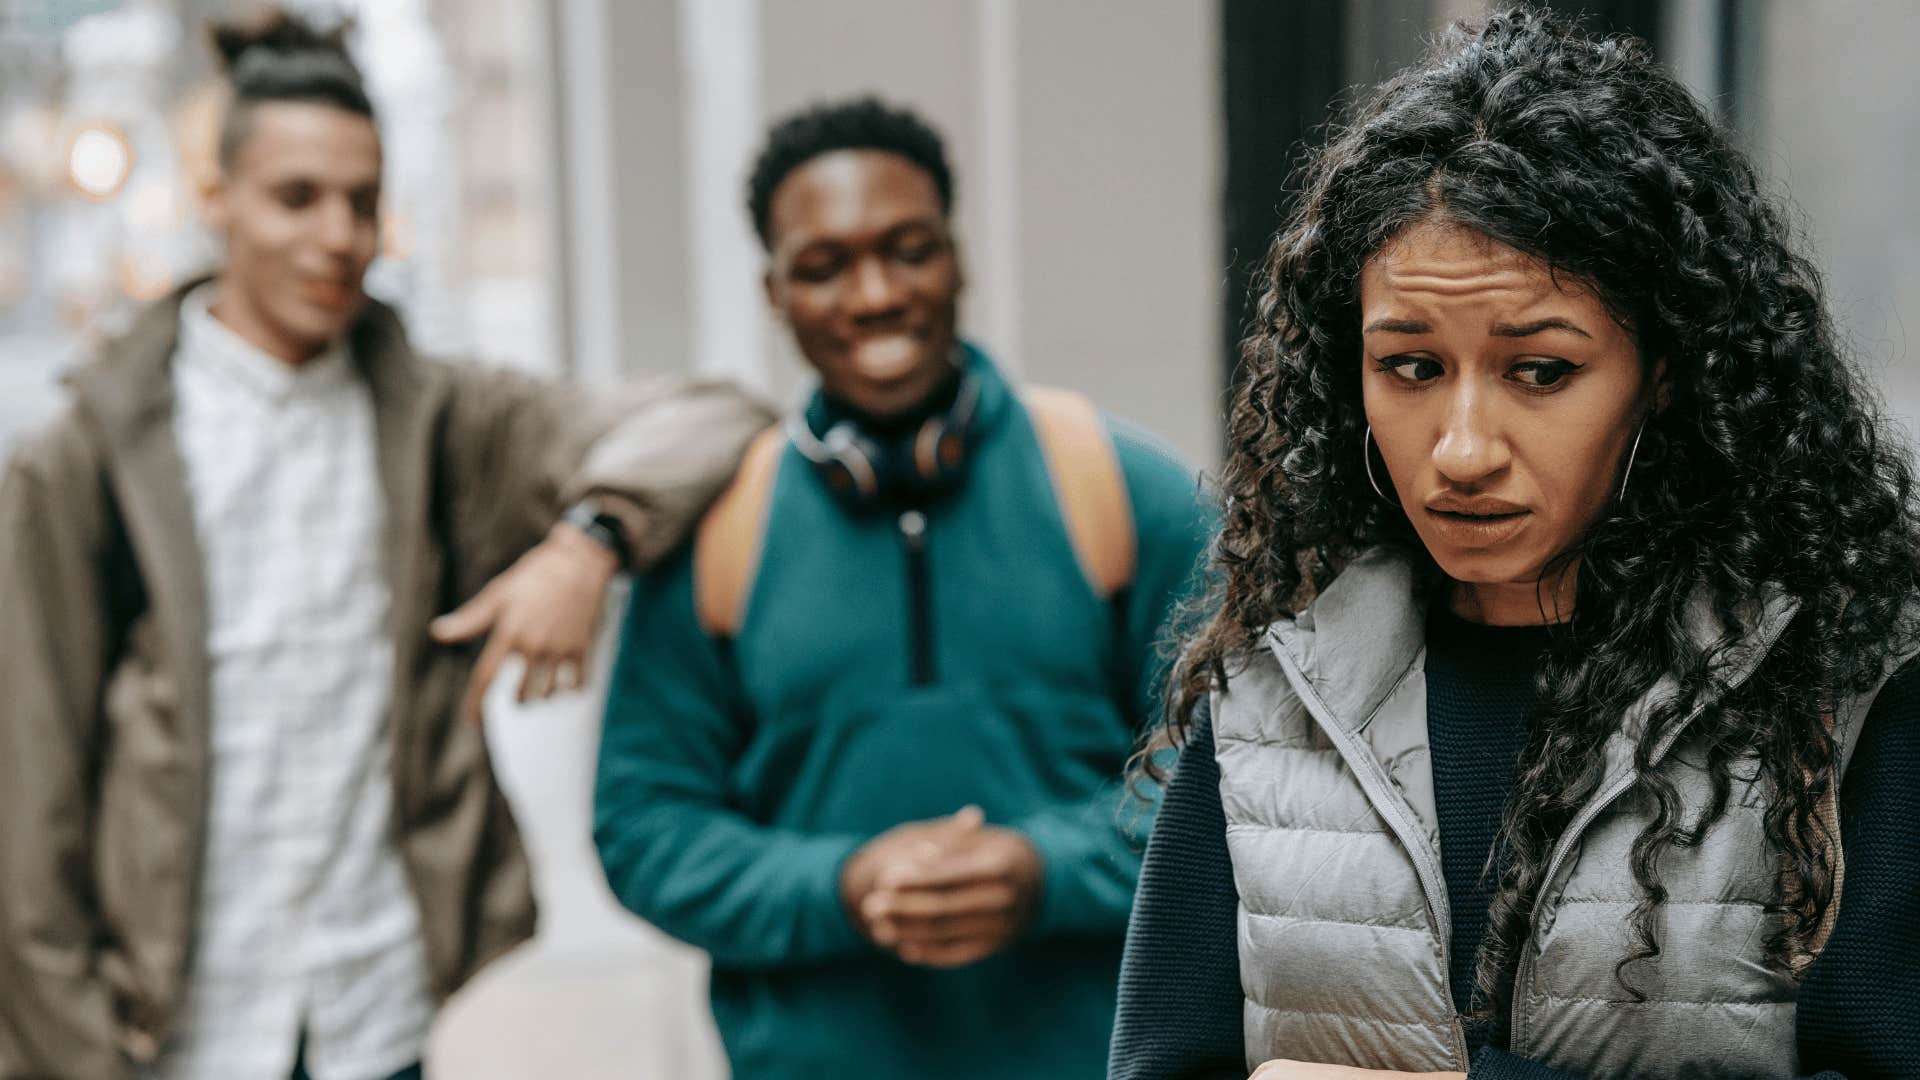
104	673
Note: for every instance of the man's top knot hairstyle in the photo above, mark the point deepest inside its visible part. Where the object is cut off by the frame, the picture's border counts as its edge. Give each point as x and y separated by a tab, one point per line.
859	124
281	57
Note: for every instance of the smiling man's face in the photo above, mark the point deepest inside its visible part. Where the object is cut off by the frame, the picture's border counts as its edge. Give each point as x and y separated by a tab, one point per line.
299	207
864	270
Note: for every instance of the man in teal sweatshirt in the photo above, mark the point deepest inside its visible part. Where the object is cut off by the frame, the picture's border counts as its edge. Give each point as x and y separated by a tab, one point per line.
867	734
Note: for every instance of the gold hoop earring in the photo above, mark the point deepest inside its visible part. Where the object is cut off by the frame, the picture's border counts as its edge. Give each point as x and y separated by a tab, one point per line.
1366	462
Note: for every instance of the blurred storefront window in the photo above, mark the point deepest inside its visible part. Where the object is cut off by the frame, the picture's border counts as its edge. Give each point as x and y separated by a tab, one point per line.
109	111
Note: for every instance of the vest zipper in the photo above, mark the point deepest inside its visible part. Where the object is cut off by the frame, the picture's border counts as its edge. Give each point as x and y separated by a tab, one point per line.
913	538
1529	956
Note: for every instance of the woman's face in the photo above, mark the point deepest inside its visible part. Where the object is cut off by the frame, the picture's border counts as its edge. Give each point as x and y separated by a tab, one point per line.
1503	402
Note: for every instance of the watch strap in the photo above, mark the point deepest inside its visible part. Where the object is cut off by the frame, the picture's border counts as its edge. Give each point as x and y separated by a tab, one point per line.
602	528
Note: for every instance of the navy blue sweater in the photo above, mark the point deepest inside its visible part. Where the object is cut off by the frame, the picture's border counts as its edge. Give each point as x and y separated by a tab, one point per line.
1180	997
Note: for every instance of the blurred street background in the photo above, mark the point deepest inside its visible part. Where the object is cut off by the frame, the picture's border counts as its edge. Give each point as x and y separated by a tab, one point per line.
565	194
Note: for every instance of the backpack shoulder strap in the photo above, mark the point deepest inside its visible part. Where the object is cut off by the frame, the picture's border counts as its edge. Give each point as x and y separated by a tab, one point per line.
1088	482
727	544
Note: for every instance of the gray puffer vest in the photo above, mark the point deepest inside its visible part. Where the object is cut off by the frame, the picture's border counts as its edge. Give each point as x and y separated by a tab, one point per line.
1327	786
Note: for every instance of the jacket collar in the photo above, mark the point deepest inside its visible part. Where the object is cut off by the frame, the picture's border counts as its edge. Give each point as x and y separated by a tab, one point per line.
130	383
1367	629
126	394
1359	636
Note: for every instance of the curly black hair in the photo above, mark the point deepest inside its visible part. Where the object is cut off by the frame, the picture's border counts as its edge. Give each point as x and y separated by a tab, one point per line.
1768	467
281	57
859	124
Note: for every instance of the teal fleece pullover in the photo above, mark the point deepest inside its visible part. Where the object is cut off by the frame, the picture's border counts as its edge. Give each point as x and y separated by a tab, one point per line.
737	776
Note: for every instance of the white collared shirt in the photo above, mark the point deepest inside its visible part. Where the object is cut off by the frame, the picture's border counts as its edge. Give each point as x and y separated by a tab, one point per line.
306	921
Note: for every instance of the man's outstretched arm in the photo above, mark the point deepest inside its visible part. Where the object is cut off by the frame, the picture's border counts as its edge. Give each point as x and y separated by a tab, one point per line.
646	458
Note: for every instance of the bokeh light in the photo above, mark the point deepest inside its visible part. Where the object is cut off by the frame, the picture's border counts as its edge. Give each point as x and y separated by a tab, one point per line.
99	159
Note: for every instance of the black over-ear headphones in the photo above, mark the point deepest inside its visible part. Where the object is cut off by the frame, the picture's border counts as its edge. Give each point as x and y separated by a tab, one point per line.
864	471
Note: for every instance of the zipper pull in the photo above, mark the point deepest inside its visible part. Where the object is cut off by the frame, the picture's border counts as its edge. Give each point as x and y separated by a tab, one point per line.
913	528
913	537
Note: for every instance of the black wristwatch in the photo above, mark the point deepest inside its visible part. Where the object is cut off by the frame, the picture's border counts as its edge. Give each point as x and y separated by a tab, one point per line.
602	528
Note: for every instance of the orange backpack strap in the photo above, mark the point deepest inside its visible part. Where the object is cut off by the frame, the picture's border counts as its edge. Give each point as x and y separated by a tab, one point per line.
726	546
1089	485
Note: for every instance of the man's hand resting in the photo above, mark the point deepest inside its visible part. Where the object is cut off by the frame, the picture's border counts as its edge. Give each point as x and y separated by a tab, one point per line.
545	607
944	893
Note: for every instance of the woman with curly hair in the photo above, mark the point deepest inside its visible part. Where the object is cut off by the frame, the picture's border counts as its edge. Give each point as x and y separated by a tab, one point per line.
1553	715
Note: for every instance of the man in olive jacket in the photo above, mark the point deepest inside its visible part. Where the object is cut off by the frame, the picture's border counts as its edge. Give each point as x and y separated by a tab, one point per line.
103	663
139	684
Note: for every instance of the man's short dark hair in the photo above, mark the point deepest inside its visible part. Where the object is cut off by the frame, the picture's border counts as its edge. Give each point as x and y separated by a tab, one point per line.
283	58
858	124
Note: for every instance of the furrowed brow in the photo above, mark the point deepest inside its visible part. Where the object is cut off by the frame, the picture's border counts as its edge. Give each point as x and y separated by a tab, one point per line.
1538	326
1398	326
